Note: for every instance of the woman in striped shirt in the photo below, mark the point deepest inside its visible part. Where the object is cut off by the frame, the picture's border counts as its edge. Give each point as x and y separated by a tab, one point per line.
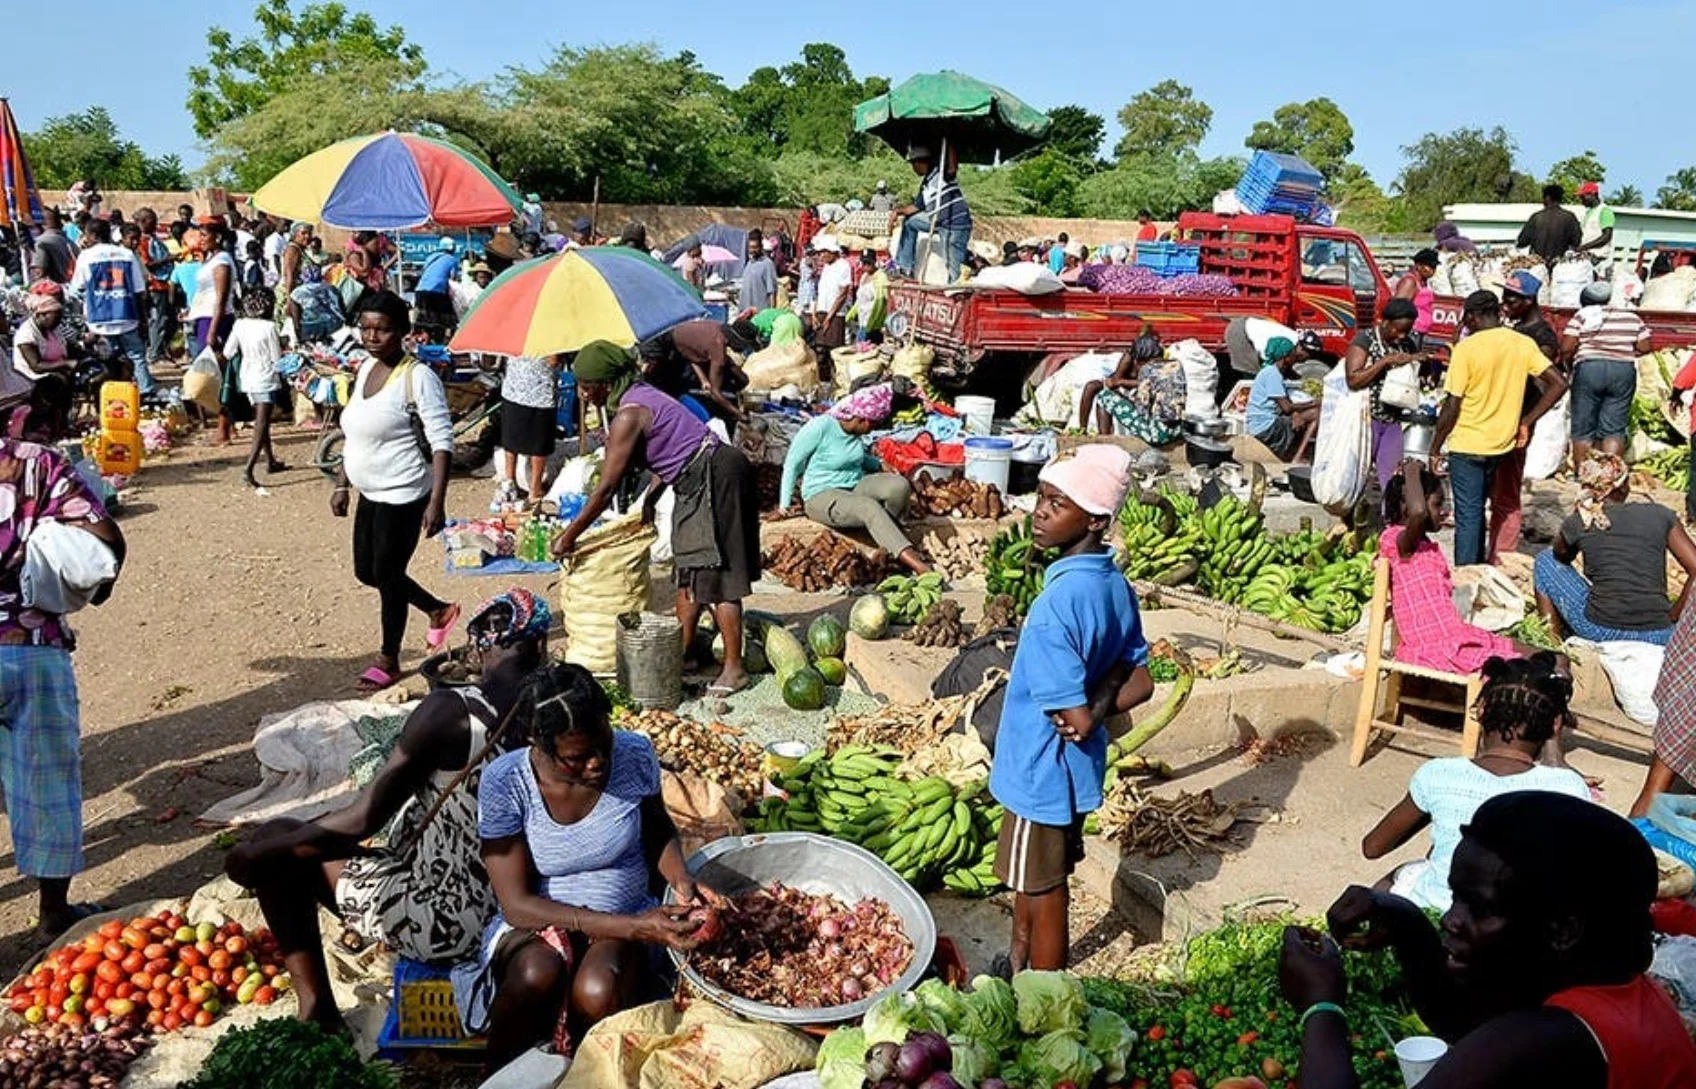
573	830
1600	346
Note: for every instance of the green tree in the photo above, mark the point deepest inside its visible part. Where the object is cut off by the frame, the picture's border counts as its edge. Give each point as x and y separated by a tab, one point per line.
327	39
807	105
1166	119
1363	206
1573	172
1679	193
1076	133
88	145
1317	130
1049	180
1468	164
1162	184
1626	196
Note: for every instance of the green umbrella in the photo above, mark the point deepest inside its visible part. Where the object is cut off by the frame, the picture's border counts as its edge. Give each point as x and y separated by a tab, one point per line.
980	121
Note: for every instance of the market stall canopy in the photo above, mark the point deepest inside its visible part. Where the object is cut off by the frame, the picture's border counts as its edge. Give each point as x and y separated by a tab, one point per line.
19	200
734	239
711	255
388	182
561	302
979	120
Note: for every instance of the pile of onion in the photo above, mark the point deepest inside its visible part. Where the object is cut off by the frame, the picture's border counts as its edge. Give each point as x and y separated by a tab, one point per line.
784	947
923	1061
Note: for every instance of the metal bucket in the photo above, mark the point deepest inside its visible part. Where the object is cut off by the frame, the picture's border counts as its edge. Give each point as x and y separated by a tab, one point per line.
649	648
1417	440
815	865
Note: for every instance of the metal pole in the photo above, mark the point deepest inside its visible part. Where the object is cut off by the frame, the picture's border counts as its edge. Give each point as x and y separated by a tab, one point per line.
594	207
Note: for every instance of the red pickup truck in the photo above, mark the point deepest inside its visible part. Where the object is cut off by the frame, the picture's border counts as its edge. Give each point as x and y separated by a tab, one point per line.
1311	278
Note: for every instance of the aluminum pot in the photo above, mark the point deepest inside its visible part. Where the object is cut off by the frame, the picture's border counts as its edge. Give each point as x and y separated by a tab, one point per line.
1418	439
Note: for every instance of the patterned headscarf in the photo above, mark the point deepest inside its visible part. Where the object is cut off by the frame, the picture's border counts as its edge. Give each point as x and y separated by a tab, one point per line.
872	404
509	618
44	295
1599	475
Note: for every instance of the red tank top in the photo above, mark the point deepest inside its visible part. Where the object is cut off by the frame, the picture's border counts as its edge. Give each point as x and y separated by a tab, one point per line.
1639	1031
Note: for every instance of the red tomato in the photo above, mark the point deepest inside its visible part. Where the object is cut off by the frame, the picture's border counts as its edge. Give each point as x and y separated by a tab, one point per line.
88	962
115	951
104	990
154	1017
189	955
134	962
158	965
126	989
1182	1077
158	1000
74	1020
202	1019
176	986
57	993
20	1002
154	950
232	928
171	1022
218	961
265	995
238	973
269	971
236	945
110	971
1158	1032
110	930
143	981
200	972
133	937
220	979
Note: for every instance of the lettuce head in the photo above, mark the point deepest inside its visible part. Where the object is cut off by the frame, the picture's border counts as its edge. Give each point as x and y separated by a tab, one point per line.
841	1061
1059	1056
894	1016
991	1013
944	1002
1049	1002
1109	1039
973	1061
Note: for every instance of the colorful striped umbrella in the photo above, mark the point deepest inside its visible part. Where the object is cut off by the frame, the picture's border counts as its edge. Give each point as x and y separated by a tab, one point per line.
389	182
563	301
19	200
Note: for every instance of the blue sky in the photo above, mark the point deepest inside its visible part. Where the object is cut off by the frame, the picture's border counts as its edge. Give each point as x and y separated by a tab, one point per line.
1560	76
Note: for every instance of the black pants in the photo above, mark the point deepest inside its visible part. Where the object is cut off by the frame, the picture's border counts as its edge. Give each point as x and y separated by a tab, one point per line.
384	537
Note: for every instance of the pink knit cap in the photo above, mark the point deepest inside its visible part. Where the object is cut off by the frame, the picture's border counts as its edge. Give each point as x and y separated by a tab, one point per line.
1095	477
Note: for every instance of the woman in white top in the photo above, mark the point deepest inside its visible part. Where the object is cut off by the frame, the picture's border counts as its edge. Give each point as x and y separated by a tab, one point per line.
400	490
1521	708
35	384
211	310
255	342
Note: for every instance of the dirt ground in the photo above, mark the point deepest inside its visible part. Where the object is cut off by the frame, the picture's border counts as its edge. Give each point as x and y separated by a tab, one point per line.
231	605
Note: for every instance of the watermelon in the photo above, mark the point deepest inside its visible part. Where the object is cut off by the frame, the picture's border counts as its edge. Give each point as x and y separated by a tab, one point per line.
803	690
784	651
869	618
826	637
833	670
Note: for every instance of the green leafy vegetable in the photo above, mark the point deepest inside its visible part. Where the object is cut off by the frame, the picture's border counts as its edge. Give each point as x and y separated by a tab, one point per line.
973	1061
894	1016
1110	1039
841	1061
282	1053
1049	1002
947	1004
991	1013
1058	1056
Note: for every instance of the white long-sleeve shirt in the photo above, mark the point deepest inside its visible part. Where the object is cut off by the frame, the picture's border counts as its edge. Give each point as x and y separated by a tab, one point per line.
381	457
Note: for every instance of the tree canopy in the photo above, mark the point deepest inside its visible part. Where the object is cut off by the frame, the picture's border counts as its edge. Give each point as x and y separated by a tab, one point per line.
1468	164
74	146
1570	173
1166	119
1317	130
1679	192
1076	133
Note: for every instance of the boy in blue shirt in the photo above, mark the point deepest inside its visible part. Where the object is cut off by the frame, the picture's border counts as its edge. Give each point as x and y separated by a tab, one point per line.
1081	658
1274	418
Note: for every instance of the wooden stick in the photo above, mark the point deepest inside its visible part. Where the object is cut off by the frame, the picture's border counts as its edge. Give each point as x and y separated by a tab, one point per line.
1232	614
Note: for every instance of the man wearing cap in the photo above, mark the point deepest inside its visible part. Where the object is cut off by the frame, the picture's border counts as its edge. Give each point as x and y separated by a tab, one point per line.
1081	658
1519	306
939	208
1552	231
532	213
1596	225
432	296
830	307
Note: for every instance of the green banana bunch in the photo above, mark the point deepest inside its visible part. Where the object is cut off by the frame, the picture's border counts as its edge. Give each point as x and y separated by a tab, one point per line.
1015	566
1671	466
1233	546
910	597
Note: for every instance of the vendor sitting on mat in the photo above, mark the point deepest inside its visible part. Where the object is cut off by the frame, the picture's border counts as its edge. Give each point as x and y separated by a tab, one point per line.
1274	418
840	486
574	835
1144	396
1622	594
1534	977
425	895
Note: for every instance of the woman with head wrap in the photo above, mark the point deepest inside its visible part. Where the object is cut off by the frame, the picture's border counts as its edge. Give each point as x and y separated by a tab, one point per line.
1144	396
1600	346
1372	354
425	895
39	372
715	536
1450	240
840	485
1622	593
1274	418
1415	287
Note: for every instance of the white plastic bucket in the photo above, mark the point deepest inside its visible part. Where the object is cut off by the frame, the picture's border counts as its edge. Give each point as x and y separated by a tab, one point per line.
988	461
978	414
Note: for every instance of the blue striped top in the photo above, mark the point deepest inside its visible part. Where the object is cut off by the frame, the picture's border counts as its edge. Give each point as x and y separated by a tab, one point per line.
596	862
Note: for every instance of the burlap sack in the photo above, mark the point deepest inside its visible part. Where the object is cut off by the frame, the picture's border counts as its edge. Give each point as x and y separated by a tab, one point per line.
605	576
704	1047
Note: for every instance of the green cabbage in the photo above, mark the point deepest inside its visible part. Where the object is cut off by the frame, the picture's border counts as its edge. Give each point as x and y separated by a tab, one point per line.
1049	1002
945	1002
893	1016
1110	1039
1058	1056
841	1061
973	1061
991	1013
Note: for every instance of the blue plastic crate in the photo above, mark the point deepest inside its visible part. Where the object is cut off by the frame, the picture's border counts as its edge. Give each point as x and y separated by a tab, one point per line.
1291	169
1169	258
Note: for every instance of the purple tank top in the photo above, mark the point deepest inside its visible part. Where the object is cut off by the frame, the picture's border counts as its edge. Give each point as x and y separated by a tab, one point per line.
675	434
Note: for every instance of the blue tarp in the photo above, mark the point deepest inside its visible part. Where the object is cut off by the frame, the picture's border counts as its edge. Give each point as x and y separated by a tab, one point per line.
734	239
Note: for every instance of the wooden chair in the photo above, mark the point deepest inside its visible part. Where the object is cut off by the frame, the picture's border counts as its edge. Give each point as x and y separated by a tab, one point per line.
1385	673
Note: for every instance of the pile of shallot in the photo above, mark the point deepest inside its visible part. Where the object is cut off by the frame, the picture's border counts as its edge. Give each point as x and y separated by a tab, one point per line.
785	947
69	1057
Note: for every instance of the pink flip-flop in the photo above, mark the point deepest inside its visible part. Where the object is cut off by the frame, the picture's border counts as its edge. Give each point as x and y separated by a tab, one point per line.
376	679
437	638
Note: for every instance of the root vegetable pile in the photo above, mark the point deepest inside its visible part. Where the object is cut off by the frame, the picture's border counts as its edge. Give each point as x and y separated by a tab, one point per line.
957	555
70	1057
998	612
768	478
825	562
160	970
710	751
784	947
941	627
957	496
1156	826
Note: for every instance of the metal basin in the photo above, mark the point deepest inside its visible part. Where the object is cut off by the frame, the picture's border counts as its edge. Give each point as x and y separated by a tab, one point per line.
815	865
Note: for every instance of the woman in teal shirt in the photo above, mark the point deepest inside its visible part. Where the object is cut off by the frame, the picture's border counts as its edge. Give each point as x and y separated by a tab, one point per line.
829	457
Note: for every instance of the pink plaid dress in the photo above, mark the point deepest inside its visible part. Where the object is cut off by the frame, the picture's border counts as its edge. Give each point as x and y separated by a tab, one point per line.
1675	698
1430	632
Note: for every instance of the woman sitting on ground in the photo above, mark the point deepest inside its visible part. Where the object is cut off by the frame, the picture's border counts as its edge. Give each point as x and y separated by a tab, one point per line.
1522	710
1145	396
840	486
1622	594
1430	632
36	384
574	836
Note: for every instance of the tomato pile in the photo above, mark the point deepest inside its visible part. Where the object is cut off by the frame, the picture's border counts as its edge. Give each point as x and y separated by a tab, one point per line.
160	971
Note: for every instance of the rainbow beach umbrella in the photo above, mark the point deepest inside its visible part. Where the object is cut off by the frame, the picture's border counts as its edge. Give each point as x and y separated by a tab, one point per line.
389	182
563	301
20	202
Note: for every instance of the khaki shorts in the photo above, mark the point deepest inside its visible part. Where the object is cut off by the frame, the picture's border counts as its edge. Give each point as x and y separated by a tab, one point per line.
1034	858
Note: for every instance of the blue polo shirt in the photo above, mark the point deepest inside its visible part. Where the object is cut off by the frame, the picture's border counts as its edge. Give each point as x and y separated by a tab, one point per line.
1084	623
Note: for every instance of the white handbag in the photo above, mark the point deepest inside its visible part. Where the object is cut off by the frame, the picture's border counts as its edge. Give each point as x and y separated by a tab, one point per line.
64	567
